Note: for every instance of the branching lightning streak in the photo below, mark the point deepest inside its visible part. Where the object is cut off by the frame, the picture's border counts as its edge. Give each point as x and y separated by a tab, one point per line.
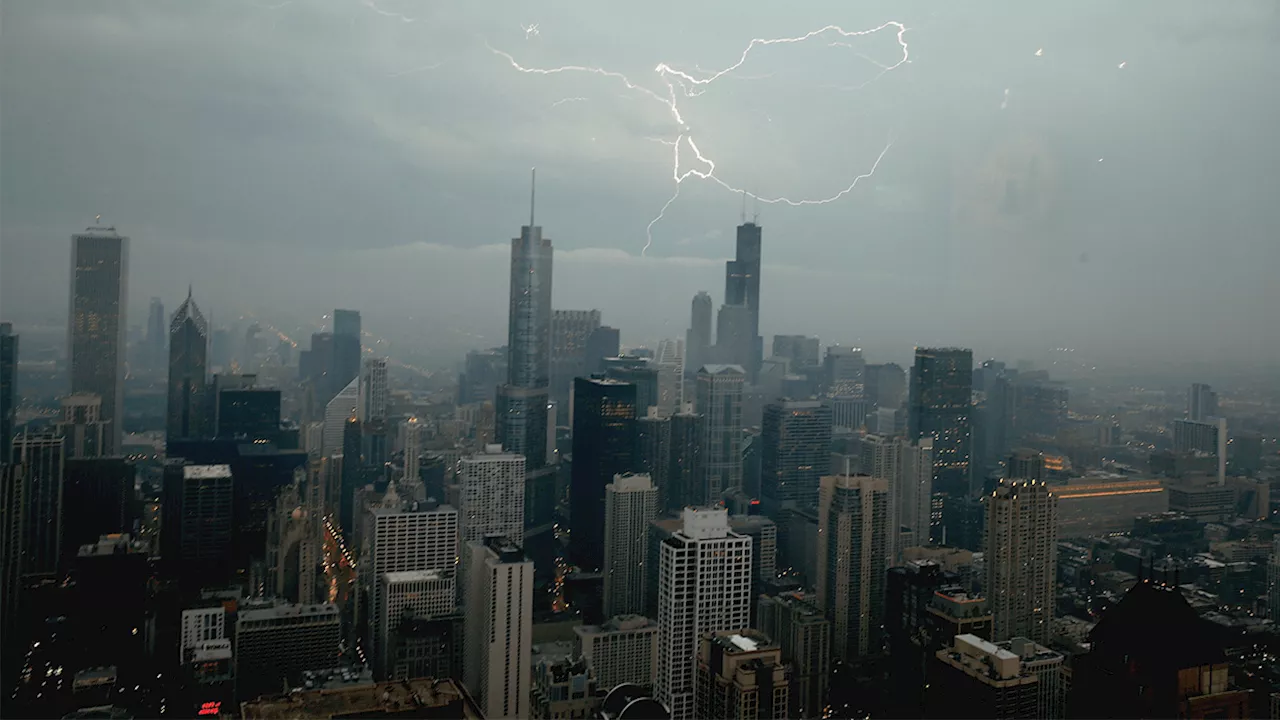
373	5
530	30
693	87
562	101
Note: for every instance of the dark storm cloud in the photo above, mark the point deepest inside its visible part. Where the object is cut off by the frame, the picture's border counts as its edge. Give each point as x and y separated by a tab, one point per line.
328	152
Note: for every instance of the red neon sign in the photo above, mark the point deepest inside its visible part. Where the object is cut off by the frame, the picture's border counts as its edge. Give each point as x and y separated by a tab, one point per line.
210	708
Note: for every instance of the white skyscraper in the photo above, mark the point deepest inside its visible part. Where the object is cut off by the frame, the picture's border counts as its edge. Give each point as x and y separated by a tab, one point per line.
341	409
704	585
491	486
411	440
406	537
499	627
670	362
630	503
914	491
1021	554
374	393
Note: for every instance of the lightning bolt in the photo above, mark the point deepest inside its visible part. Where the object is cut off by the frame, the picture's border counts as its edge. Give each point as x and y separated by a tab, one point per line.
530	30
373	5
562	101
690	86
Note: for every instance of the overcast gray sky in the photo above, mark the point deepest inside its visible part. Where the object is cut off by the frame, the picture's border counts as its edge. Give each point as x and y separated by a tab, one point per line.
1095	174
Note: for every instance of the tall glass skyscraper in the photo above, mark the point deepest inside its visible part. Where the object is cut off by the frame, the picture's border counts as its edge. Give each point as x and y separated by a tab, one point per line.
98	322
939	408
604	445
742	287
188	348
797	449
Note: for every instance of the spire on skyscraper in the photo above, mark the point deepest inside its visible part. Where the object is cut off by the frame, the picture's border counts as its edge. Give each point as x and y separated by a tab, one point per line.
533	190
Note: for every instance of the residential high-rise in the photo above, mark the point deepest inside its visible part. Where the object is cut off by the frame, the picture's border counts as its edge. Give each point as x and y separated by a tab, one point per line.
99	303
522	402
683	483
499	627
40	461
741	676
704	587
742	287
1021	555
604	444
82	426
698	337
630	503
188	360
914	491
411	440
881	457
853	513
623	649
1202	402
796	452
491	495
8	389
804	635
375	395
719	400
274	645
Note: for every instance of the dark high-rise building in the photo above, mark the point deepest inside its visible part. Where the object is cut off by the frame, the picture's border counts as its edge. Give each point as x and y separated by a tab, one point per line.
684	484
698	337
249	413
742	287
638	371
521	408
939	407
39	460
98	323
1039	406
719	400
188	366
653	452
801	350
604	342
196	523
885	385
570	330
604	444
346	347
796	437
157	335
8	388
804	634
482	372
315	368
97	500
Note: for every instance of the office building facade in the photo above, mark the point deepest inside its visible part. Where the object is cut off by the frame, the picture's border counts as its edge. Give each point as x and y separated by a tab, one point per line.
1021	554
188	371
853	517
604	445
719	401
796	439
630	504
99	321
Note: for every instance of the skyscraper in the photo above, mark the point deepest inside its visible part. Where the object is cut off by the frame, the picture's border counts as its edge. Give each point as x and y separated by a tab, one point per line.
1202	402
40	461
742	287
339	411
641	372
491	495
188	360
604	444
853	513
797	448
670	361
570	330
8	389
685	479
804	635
698	337
704	587
844	371
522	402
82	426
499	627
346	347
99	301
914	491
939	406
375	395
719	400
196	522
630	504
801	350
1021	554
741	676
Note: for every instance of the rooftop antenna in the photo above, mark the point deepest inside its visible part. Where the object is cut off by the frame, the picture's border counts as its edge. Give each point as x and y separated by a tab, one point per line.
744	207
188	291
533	190
755	210
97	219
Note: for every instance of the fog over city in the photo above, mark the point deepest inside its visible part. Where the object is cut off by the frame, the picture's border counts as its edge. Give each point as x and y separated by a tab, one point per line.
1096	175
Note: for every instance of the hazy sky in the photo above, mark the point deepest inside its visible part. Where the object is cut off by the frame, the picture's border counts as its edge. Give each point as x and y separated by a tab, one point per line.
1095	174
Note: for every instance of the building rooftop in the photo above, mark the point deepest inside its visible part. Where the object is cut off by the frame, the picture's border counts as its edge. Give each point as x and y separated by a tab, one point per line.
405	576
205	472
420	698
286	610
743	641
